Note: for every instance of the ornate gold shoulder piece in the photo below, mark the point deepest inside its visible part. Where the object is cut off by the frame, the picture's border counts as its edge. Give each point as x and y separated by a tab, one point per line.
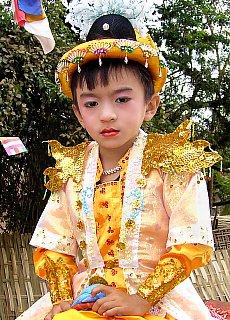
69	164
172	153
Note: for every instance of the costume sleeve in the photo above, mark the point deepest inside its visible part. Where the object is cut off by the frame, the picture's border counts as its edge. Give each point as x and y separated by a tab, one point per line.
187	205
57	248
58	269
173	268
190	239
54	230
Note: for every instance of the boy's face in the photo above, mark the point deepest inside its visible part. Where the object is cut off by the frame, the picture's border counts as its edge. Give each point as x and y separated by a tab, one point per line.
112	115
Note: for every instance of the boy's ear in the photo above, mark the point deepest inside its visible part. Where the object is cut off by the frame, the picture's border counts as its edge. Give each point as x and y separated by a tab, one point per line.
152	107
78	115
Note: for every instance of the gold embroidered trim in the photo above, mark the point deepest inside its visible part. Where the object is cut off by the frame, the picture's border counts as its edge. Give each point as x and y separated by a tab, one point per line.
164	278
172	153
69	164
58	277
97	280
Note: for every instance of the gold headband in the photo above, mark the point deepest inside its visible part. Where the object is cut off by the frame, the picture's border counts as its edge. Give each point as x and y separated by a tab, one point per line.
144	51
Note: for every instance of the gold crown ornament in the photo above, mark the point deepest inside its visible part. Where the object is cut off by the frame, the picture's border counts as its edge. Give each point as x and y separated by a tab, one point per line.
144	51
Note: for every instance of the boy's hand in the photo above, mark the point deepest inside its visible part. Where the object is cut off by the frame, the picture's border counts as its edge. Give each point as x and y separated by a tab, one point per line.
57	308
118	302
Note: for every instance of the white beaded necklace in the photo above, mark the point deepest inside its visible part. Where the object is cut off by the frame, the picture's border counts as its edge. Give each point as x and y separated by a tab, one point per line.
111	171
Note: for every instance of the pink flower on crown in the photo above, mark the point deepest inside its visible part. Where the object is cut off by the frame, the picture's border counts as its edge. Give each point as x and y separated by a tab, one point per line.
99	48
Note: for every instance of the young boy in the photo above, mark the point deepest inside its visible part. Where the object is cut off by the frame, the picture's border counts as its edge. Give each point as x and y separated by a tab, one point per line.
134	205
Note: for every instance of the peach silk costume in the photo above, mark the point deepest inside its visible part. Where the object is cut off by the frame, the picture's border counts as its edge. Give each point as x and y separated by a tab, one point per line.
175	221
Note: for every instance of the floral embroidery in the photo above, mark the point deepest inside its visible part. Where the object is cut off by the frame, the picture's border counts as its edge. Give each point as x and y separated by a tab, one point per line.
111	253
113	272
102	190
78	204
82	245
130	224
148	52
109	242
104	204
126	45
141	183
136	204
80	225
76	56
110	230
121	245
99	49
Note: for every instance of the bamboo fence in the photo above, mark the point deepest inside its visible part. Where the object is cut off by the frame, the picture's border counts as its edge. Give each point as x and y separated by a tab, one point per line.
20	287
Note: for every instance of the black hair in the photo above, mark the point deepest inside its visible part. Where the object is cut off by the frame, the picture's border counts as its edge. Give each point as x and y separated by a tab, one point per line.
119	28
92	74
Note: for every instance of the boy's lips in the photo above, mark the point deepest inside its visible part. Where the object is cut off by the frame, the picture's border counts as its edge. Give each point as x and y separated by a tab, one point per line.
109	132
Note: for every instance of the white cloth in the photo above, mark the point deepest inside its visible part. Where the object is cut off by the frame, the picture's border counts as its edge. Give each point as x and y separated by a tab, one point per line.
42	32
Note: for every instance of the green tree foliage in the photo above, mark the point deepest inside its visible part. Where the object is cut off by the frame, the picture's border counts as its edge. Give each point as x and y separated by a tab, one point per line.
194	36
32	108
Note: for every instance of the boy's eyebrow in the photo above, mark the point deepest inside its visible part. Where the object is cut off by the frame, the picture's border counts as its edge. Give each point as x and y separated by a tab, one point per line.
123	89
87	95
92	95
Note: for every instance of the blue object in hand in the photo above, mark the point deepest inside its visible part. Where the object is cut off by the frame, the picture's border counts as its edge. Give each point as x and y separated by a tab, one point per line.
85	295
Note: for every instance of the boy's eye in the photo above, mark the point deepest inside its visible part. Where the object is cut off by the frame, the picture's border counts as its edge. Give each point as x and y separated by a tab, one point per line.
91	104
122	99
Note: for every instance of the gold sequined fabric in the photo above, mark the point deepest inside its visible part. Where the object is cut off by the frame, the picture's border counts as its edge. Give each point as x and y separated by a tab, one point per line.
58	277
173	153
97	280
164	278
69	164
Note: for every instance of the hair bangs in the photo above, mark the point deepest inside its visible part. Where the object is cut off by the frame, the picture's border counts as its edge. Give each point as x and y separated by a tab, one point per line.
93	75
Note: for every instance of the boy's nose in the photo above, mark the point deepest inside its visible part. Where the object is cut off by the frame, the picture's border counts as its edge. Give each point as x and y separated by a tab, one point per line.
107	114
